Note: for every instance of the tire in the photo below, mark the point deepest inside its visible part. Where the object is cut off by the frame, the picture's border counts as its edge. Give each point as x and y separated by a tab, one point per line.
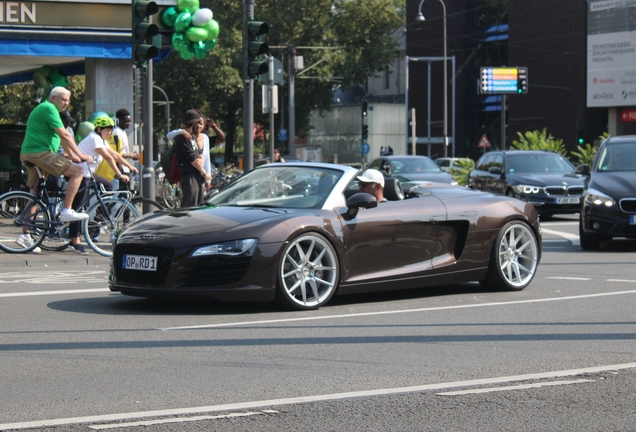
98	232
140	202
588	241
514	258
12	207
308	273
170	196
56	243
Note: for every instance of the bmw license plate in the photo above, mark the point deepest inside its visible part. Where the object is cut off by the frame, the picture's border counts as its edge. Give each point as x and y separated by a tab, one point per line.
568	200
139	262
632	219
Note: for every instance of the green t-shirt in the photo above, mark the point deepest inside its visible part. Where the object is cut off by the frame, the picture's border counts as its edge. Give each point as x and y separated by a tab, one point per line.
40	132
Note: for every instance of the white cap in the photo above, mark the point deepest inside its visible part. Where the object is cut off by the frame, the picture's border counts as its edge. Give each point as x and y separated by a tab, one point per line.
372	176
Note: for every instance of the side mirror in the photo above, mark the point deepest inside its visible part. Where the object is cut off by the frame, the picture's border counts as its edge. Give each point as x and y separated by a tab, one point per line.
583	169
358	201
494	170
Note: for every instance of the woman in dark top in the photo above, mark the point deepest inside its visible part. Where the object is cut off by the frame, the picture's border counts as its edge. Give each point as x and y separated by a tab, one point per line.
190	158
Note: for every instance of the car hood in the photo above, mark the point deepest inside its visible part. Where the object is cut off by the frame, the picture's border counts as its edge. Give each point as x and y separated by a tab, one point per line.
615	184
545	179
441	177
201	225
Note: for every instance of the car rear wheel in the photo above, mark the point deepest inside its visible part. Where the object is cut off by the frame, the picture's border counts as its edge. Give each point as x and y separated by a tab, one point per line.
514	258
588	241
308	273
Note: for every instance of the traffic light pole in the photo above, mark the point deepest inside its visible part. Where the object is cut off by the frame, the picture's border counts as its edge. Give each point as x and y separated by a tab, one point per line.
291	134
248	96
148	171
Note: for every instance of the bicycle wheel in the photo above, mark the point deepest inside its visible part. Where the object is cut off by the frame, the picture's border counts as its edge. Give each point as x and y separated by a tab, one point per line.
101	227
139	203
13	207
170	196
57	242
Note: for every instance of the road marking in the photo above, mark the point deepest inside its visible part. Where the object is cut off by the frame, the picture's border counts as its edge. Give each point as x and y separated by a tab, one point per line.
42	293
316	398
180	420
620	280
517	387
568	278
572	237
394	312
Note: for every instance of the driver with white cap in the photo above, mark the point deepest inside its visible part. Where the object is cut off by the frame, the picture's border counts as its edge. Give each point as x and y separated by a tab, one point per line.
372	181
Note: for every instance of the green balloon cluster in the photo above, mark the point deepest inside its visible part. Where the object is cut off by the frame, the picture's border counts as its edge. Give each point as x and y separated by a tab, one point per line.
48	77
195	31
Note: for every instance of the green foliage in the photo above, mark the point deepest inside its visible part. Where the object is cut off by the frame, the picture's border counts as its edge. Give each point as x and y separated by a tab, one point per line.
539	140
358	30
463	169
587	153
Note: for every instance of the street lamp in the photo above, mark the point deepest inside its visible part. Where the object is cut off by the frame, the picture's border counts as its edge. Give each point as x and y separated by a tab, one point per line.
420	18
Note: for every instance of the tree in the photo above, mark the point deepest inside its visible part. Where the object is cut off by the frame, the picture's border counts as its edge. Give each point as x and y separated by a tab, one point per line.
360	30
539	140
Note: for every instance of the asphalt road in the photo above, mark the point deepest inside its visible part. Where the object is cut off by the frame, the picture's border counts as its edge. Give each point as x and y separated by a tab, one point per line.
559	355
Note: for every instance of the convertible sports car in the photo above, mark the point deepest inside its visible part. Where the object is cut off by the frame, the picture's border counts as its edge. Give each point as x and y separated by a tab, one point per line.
299	233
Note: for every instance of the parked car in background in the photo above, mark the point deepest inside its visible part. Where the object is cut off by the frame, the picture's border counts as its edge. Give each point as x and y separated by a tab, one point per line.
410	170
545	179
446	164
608	207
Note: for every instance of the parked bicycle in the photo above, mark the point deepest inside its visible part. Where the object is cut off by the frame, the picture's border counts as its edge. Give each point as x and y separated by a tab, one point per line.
108	214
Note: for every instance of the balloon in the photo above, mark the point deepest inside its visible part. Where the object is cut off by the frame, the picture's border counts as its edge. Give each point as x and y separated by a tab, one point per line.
199	50
196	34
201	17
169	16
40	80
179	42
84	129
187	54
96	114
58	79
212	27
210	44
188	5
182	22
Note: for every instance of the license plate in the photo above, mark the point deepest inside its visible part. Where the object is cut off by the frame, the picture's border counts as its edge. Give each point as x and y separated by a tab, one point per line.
632	219
568	200
139	262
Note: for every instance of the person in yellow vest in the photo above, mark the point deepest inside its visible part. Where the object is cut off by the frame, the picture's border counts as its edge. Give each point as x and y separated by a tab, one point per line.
118	141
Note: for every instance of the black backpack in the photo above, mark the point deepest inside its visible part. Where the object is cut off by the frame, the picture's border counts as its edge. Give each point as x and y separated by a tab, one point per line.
166	160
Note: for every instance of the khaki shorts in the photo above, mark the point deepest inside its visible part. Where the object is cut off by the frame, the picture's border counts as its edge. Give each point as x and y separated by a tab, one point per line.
48	162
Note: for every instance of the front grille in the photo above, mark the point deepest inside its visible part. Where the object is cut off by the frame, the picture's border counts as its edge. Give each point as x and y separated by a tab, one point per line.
217	271
140	277
555	190
575	190
628	205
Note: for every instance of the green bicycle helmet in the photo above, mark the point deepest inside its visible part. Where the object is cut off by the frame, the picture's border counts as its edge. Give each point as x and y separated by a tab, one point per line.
103	122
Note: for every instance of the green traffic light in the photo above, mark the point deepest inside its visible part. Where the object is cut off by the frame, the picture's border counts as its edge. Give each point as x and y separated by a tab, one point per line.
519	90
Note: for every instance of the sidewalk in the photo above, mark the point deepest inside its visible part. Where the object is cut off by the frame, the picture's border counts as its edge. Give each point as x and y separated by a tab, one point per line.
49	259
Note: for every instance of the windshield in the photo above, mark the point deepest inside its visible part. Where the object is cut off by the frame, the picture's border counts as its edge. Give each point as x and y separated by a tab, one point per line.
618	157
414	165
280	186
538	163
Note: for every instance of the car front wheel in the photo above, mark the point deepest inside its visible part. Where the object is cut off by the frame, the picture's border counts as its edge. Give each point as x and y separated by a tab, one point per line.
514	258
308	273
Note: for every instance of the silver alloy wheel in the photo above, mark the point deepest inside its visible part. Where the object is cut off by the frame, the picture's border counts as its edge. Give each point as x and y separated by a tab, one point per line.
518	255
308	272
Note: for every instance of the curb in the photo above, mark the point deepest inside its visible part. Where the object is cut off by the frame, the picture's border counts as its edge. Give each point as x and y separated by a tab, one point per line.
49	260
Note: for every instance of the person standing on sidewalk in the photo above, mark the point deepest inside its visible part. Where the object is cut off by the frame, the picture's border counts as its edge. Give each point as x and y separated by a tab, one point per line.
45	133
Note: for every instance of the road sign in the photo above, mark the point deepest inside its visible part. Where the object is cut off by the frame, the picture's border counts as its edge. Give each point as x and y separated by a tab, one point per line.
366	148
628	115
282	134
483	142
504	80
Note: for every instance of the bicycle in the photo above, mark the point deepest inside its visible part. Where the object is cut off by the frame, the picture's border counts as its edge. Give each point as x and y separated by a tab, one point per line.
39	213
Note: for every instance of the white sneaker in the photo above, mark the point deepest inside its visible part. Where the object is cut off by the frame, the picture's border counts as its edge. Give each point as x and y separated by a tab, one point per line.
25	240
72	216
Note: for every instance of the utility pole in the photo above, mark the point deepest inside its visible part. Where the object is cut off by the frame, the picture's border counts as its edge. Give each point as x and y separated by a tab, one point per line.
248	96
291	135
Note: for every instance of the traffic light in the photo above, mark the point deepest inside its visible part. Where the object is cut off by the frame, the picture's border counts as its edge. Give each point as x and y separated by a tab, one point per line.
254	49
143	31
365	132
579	138
365	107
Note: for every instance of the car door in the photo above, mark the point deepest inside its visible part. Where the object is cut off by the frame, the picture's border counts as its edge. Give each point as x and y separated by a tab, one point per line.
496	182
478	177
393	239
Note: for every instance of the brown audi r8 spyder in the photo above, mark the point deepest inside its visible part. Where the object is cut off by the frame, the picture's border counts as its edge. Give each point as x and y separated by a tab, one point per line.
299	233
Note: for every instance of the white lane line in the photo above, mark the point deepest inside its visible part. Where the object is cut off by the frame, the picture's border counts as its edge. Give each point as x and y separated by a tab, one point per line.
317	398
393	312
620	280
572	237
180	420
43	293
516	387
568	278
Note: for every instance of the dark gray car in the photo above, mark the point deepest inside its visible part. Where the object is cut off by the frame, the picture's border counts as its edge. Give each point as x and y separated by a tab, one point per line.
410	170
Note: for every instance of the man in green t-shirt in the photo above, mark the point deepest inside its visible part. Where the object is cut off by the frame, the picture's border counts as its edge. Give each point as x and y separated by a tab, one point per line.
44	134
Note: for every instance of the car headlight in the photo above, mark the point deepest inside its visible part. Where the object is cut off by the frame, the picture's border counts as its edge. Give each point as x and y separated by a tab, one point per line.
230	248
526	189
598	198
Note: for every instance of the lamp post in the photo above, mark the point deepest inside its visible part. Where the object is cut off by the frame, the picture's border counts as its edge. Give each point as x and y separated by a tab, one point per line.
420	18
